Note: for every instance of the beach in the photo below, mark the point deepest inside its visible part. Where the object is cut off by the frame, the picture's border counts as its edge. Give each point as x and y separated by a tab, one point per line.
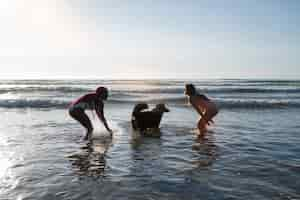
250	152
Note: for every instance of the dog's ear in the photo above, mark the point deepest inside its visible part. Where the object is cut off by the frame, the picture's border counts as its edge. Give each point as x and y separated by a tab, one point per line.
144	106
166	109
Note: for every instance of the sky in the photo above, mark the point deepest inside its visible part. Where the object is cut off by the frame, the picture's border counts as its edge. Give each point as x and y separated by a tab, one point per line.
149	39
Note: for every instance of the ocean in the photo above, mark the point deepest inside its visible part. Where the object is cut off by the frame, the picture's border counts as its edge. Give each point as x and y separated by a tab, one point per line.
252	151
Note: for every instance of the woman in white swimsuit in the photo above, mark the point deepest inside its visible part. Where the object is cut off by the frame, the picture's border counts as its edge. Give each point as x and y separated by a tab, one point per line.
92	101
206	108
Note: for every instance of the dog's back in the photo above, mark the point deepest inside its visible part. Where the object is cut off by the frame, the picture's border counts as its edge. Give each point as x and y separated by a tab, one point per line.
148	119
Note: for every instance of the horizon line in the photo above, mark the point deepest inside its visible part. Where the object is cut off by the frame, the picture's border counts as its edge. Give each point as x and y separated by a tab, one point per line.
148	78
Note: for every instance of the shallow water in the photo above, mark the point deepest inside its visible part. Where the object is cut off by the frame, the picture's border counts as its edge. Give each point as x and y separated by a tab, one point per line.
249	153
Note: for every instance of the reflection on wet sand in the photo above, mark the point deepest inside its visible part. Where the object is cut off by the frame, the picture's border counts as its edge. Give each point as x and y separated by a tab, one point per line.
91	161
206	150
137	138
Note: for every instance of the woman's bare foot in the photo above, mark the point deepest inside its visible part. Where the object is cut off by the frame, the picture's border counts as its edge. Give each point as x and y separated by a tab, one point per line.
88	135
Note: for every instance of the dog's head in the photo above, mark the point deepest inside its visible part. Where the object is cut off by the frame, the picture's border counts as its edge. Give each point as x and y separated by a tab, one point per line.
161	108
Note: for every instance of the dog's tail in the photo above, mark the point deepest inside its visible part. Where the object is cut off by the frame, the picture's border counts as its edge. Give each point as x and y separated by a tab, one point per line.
139	107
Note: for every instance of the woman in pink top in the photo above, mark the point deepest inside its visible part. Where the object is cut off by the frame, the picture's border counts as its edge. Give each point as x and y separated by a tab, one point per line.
203	105
92	101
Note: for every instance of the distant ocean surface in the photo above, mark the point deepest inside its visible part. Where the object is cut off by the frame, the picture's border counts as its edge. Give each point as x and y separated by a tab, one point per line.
251	152
228	94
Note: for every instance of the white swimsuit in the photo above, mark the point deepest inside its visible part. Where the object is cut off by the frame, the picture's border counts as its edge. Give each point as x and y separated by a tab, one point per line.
82	105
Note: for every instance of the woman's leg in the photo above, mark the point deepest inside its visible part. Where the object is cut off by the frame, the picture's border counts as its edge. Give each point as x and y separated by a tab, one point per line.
209	115
205	120
79	115
202	126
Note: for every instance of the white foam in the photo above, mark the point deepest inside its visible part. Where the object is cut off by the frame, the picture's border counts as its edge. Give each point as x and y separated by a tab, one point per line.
99	129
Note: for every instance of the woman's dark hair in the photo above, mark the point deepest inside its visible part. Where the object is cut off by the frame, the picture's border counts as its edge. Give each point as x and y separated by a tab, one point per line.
102	91
190	89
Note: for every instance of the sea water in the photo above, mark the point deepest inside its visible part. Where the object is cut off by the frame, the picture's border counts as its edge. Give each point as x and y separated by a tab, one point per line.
252	151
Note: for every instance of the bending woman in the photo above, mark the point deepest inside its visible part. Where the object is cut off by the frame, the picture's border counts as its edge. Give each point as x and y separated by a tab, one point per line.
206	108
92	101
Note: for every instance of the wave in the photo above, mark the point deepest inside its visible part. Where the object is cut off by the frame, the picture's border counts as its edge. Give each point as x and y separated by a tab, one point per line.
68	89
144	90
209	90
44	89
257	104
252	90
225	103
33	103
173	100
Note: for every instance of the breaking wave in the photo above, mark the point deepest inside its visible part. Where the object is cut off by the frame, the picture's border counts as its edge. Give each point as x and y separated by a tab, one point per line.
227	104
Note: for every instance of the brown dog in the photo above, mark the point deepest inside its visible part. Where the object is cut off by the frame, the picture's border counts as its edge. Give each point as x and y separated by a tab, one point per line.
142	120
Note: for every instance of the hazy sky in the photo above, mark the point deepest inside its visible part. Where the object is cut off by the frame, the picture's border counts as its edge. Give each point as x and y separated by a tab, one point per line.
149	39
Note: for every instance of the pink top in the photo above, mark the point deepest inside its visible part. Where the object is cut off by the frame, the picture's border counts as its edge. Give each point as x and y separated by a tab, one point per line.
87	101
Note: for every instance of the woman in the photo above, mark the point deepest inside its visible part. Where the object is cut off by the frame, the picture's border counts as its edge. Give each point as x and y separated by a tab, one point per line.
92	101
203	105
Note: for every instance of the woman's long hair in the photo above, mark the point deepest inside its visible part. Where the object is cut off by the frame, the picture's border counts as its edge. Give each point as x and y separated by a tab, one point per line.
190	89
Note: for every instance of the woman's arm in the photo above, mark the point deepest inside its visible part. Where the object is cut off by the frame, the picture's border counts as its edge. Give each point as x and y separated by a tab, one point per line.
197	108
99	110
